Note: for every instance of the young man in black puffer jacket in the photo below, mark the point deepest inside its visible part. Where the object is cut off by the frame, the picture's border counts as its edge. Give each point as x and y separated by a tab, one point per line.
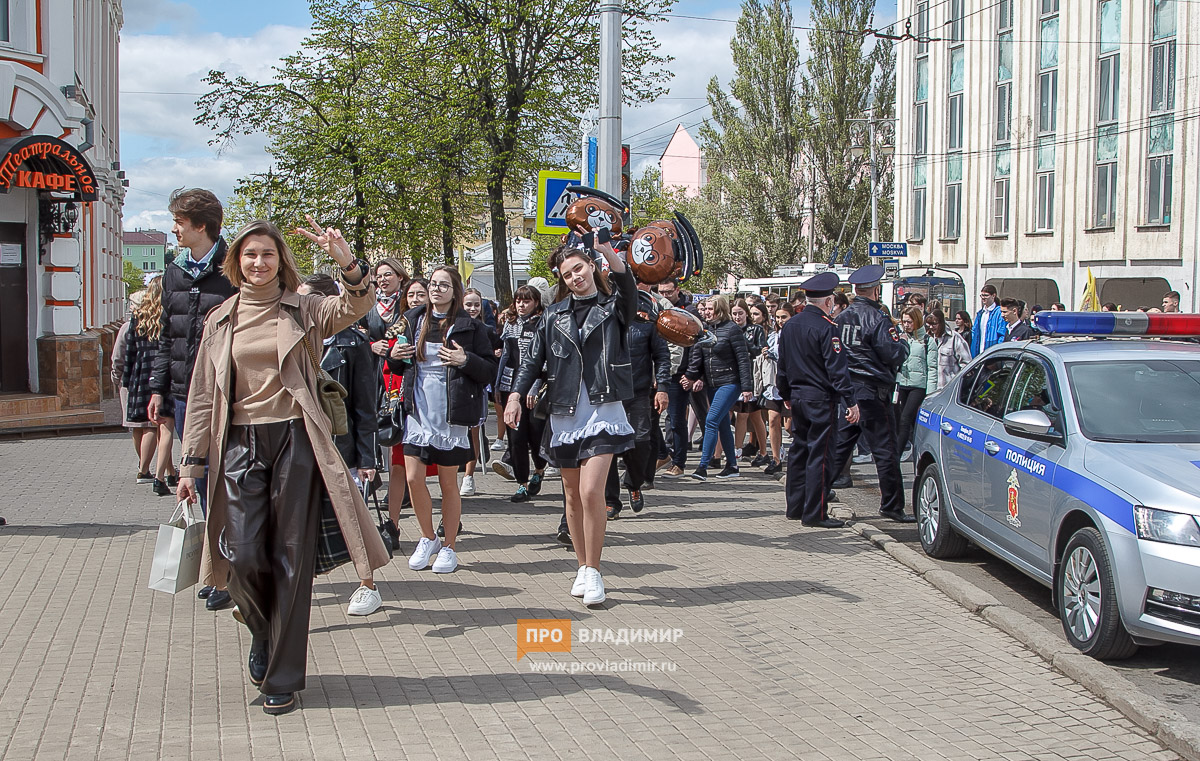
192	285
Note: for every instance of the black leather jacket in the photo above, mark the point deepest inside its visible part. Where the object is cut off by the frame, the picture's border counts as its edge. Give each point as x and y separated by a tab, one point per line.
728	361
466	394
649	357
872	343
756	338
349	361
600	359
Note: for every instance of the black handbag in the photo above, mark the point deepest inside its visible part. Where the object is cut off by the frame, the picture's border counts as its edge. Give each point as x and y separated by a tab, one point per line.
391	420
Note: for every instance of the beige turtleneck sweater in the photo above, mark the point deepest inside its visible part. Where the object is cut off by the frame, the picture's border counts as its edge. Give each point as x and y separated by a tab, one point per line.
258	394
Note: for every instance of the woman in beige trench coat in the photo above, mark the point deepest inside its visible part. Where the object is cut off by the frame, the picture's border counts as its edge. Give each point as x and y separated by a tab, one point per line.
254	418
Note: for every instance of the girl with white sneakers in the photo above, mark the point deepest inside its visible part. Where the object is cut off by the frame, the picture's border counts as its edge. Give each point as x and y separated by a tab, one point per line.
582	349
447	364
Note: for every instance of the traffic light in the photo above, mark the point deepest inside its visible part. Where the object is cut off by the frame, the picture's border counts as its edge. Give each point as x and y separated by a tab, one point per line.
625	176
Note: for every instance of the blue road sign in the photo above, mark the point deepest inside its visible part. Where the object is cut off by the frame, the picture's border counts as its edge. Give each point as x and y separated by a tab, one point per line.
553	200
890	250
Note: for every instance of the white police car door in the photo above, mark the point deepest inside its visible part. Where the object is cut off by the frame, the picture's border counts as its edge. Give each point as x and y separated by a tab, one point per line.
1018	491
965	423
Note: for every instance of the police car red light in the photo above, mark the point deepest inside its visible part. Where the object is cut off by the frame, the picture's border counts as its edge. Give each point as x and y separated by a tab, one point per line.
1116	324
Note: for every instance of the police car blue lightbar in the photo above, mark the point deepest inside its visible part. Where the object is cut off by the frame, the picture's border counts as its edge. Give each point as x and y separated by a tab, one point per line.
1116	324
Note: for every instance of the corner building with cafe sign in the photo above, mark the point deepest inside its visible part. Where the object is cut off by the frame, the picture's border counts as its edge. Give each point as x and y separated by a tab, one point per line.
61	194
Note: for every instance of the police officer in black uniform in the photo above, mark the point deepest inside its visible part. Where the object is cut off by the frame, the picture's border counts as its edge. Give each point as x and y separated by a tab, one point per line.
875	355
813	378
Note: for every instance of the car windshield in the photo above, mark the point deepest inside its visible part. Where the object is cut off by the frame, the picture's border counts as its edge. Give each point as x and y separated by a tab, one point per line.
1138	401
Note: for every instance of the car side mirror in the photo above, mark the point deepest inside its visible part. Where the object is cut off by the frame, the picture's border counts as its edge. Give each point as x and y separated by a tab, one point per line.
1031	424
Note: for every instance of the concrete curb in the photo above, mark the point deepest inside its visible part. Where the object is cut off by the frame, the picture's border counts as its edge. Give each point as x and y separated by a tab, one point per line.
1151	714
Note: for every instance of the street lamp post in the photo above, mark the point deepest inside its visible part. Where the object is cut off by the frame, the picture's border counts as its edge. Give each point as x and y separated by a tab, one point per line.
857	151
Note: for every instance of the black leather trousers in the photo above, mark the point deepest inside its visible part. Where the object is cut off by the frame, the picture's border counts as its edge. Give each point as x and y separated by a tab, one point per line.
274	488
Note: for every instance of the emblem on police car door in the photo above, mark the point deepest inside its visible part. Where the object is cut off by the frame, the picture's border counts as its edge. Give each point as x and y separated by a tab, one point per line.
1014	493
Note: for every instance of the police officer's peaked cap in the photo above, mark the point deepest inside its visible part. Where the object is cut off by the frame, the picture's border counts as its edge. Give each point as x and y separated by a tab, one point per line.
867	277
820	285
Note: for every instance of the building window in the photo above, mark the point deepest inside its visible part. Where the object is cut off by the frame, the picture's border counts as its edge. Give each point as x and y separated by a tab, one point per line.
1161	135
1004	15
955	119
1003	112
1000	206
916	224
1045	201
922	28
920	131
1049	6
953	209
1158	211
1162	77
1110	78
4	32
1106	195
1048	101
1001	184
956	20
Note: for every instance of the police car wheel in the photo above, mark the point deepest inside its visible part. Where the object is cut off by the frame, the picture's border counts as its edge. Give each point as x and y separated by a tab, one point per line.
1087	599
938	537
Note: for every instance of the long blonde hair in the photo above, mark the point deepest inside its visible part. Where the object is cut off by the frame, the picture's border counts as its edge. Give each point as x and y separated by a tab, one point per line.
149	312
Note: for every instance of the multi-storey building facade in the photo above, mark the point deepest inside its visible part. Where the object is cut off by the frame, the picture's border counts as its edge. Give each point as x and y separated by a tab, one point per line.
1041	139
146	250
61	195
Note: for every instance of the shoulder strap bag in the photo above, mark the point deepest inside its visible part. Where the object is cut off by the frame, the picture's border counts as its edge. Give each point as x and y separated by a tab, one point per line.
331	394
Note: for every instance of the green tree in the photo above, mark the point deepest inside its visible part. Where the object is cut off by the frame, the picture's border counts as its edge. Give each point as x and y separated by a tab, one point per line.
754	144
133	277
520	67
841	86
649	200
360	133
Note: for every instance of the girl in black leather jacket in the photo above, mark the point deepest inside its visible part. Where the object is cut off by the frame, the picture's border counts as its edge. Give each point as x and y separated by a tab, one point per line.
582	348
723	369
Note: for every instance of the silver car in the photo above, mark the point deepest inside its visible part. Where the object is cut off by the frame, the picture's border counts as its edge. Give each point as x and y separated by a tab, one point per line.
1078	462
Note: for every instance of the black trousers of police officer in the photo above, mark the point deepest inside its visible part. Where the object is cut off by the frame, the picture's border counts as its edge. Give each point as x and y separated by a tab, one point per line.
877	424
810	458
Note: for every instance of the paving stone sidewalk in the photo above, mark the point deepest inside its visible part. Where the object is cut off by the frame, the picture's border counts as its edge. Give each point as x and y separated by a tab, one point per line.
796	643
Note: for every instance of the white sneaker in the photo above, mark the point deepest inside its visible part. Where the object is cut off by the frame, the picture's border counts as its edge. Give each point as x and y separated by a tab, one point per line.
499	445
468	487
594	594
426	549
503	469
551	472
447	561
364	602
580	585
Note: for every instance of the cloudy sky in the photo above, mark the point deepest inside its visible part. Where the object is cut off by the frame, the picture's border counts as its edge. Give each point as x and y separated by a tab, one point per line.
167	46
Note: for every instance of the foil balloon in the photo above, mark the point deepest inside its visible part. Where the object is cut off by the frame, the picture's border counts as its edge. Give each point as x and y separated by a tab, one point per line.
652	255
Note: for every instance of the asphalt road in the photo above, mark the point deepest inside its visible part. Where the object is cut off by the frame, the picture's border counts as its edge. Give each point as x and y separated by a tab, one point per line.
1168	672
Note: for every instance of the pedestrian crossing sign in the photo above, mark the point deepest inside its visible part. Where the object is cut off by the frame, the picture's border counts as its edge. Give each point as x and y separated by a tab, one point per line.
553	200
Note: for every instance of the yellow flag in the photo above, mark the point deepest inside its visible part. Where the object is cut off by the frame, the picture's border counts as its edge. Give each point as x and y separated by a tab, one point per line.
1091	299
465	268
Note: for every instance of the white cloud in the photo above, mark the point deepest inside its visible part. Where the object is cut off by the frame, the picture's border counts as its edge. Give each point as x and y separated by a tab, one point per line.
162	147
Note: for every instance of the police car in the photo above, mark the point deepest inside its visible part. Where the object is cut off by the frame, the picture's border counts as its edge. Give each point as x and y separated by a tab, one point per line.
1076	458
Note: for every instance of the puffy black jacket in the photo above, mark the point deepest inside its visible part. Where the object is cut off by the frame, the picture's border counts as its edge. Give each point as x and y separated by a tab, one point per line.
349	361
872	343
600	361
728	361
466	394
649	358
186	302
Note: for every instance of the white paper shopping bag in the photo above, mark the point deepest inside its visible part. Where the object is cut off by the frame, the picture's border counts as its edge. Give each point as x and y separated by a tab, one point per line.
178	550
